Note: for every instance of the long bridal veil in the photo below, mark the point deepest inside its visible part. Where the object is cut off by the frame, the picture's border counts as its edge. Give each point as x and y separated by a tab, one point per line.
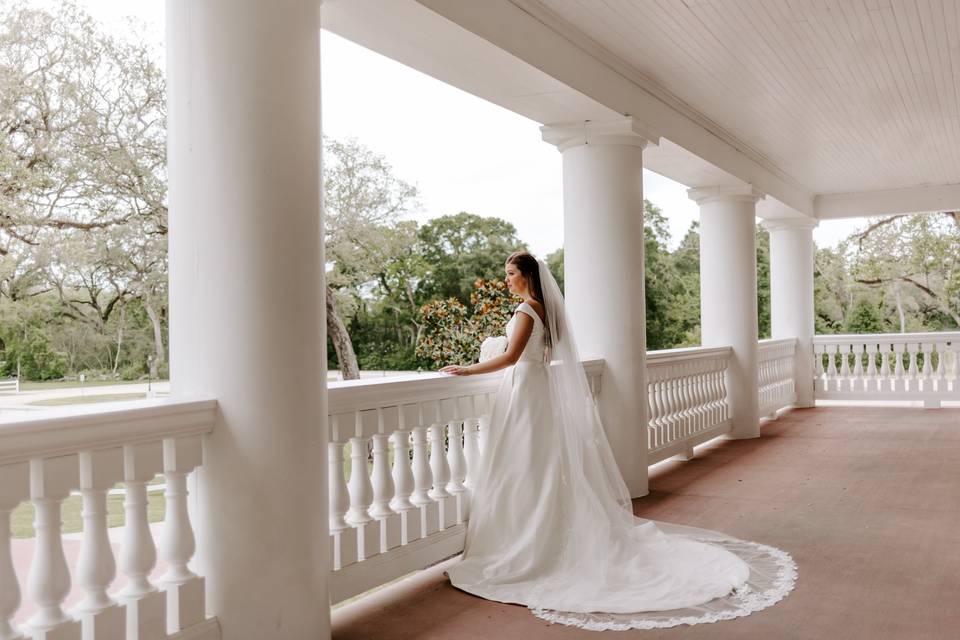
602	534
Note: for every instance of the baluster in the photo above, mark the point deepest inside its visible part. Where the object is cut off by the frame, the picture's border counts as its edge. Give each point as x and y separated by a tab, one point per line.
913	384
361	494
338	495
14	489
146	606
941	368
700	399
672	405
184	589
722	383
100	615
927	376
818	366
404	482
455	458
48	582
857	372
651	410
422	476
457	462
382	482
833	380
716	393
900	383
885	383
683	397
439	468
871	382
952	360
359	487
844	380
402	475
660	399
343	545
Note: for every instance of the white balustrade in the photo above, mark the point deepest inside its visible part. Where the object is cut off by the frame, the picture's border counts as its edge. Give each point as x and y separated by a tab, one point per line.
893	366
687	399
46	457
776	373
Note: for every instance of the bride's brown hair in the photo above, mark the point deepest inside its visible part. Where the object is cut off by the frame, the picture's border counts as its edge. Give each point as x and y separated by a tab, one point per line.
530	270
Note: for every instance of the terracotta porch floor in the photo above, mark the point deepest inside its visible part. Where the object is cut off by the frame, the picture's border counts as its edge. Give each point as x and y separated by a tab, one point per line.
867	500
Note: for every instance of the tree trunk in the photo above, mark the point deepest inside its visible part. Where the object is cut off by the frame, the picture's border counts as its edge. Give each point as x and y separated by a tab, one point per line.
903	319
341	340
157	338
123	321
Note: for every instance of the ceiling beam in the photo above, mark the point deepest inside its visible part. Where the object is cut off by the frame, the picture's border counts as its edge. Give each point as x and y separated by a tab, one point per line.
888	202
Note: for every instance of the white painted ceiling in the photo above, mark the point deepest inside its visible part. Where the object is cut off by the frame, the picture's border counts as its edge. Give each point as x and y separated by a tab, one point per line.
841	95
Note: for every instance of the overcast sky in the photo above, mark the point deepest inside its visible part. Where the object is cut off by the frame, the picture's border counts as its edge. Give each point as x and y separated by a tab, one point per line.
463	153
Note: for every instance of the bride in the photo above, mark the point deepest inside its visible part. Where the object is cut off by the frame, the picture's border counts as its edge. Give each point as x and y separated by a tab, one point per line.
551	523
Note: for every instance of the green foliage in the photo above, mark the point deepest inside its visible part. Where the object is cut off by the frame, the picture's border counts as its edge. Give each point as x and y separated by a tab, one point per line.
865	317
763	283
555	263
461	248
451	335
447	337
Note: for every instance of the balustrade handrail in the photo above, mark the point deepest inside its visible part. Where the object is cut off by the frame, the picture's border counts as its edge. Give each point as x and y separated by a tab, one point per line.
777	342
888	338
69	430
371	393
665	357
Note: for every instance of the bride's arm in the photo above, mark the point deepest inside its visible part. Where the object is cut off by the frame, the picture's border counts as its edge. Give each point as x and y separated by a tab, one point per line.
521	335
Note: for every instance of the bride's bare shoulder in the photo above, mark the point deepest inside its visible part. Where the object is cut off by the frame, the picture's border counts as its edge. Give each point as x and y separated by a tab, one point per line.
537	306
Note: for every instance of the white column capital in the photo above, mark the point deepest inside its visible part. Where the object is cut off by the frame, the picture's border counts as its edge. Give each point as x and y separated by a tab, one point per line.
733	193
790	224
625	131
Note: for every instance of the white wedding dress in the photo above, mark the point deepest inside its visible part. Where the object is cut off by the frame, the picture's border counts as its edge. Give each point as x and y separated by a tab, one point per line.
544	531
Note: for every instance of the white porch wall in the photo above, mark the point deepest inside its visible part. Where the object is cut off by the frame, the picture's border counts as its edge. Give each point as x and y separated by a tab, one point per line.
246	282
603	272
728	293
791	294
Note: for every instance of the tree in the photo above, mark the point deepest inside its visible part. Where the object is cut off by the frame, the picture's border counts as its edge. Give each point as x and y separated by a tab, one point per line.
82	178
555	263
363	201
461	248
920	253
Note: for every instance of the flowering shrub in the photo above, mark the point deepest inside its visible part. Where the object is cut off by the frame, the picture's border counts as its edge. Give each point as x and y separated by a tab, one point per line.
451	335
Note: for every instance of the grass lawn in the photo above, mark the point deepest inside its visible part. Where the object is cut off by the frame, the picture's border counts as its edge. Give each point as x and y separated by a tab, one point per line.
28	385
109	397
21	520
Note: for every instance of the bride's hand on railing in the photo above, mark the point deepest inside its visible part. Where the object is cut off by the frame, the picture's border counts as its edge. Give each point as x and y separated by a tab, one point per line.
456	370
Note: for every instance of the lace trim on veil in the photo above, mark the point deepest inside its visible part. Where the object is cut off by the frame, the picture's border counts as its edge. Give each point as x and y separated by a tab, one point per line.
773	574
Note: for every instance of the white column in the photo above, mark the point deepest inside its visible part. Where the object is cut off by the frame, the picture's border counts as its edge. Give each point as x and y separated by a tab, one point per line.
791	294
246	291
603	269
728	293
